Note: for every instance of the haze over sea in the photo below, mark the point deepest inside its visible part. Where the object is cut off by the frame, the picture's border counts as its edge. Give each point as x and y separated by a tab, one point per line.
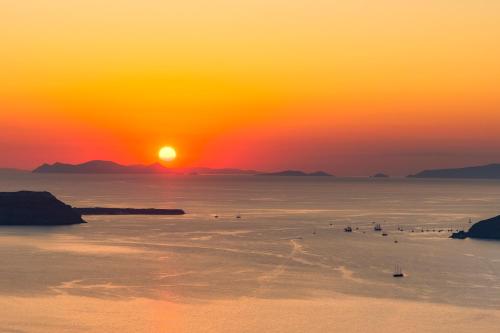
285	266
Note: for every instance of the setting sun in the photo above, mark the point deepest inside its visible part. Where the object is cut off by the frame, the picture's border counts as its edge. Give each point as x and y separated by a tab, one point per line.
167	154
250	166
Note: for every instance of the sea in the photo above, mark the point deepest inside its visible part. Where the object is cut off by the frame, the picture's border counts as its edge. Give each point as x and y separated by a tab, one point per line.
286	265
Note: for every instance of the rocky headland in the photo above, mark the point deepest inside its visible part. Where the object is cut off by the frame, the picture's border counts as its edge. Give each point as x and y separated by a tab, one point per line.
486	229
36	208
27	208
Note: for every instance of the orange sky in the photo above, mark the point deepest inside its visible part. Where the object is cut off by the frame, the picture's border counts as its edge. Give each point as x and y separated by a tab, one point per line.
352	87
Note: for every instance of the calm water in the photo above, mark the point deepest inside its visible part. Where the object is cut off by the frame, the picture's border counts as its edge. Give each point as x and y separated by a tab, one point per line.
285	266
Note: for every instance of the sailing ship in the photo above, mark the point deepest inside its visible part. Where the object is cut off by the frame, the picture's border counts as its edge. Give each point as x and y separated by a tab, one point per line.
377	227
398	272
347	229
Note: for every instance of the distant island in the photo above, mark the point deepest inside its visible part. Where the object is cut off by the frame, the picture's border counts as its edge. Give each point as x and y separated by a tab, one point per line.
109	167
211	171
100	167
490	171
28	208
486	229
296	173
380	175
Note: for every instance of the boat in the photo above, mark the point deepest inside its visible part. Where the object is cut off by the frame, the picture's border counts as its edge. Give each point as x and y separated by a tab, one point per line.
398	272
385	234
347	229
238	216
377	227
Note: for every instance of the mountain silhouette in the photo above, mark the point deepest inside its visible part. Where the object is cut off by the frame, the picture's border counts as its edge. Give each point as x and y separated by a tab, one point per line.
490	171
107	167
98	166
297	173
380	175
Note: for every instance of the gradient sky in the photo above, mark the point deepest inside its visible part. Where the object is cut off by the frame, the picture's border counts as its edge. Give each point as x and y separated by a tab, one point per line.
351	87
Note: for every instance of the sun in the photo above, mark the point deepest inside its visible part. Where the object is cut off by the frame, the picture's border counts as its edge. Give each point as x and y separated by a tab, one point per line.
167	154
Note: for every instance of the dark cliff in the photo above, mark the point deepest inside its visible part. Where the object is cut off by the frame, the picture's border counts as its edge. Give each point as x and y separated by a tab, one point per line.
486	229
35	208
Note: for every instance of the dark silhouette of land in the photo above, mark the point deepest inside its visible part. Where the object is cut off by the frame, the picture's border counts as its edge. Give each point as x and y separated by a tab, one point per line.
380	175
128	211
490	171
35	208
211	171
100	167
109	167
486	229
44	209
296	173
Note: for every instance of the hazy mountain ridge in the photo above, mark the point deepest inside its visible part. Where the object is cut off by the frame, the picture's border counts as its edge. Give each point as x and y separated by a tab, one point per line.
490	171
380	175
297	173
222	171
99	166
110	167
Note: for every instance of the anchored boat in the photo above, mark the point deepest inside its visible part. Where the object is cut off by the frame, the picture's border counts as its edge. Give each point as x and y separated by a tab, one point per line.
398	272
